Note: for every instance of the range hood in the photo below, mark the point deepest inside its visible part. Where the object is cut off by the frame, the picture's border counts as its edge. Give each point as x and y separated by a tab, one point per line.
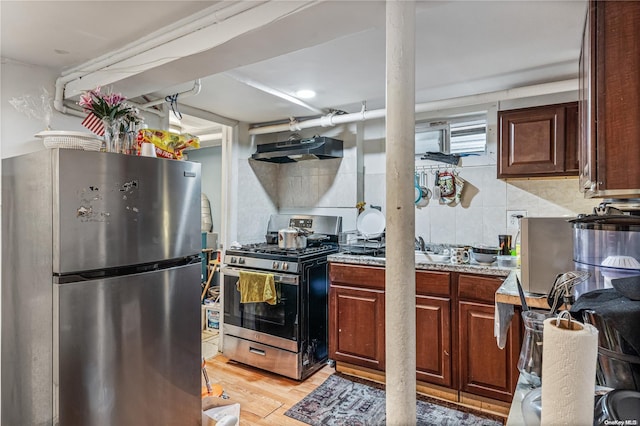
319	147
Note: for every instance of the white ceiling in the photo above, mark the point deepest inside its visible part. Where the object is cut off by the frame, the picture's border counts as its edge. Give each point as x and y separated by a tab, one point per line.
336	48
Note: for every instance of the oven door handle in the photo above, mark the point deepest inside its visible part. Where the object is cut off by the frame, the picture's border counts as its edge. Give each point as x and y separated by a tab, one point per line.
278	278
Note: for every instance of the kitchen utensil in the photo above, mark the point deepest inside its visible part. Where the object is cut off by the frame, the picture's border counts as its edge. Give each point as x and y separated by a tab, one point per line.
291	239
314	240
416	190
523	300
562	289
371	223
436	187
425	192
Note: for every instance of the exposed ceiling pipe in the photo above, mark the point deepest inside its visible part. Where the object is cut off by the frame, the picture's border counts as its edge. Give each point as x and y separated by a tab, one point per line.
481	98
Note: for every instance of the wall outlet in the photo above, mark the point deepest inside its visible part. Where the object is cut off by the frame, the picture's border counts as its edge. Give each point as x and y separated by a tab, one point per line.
512	217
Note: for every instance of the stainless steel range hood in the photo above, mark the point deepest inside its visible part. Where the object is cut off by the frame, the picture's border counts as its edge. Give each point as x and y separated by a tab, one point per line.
319	147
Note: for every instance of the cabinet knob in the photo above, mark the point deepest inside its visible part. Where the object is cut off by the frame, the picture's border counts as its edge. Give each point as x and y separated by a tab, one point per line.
446	353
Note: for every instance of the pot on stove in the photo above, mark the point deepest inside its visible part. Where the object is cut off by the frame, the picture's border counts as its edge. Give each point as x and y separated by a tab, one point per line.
292	239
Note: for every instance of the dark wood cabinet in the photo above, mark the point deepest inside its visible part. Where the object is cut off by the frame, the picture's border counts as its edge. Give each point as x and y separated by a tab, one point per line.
356	315
484	369
455	346
434	353
609	100
538	141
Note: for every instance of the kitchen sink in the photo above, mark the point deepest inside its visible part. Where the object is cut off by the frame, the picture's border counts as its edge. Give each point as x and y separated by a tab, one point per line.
429	257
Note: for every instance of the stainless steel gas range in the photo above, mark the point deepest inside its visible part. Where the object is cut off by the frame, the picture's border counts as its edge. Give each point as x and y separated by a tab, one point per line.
291	337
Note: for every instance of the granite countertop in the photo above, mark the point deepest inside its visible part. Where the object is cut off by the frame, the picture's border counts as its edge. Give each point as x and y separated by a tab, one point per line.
508	293
472	268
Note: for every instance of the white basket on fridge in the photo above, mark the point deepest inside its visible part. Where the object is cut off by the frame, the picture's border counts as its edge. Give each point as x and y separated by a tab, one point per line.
70	140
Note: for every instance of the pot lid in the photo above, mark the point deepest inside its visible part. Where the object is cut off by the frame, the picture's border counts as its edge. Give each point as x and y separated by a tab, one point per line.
620	404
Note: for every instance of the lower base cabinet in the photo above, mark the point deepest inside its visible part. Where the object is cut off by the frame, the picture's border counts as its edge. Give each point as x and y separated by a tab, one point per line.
485	369
356	315
455	346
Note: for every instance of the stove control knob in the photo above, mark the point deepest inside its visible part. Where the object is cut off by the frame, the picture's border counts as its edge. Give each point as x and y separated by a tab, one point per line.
285	266
233	260
241	260
276	265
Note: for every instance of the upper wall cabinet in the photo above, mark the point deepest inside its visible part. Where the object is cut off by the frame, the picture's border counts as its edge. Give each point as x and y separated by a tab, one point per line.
538	141
609	100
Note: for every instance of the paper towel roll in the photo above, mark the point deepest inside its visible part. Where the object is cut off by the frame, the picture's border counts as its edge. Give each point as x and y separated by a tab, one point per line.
569	359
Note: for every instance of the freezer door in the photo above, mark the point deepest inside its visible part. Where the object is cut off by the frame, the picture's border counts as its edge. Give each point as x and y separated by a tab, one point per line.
127	350
112	210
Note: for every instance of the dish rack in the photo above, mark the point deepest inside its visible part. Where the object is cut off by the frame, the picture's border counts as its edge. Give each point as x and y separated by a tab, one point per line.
69	140
353	242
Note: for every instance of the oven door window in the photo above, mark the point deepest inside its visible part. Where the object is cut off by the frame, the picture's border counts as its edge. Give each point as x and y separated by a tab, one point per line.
279	320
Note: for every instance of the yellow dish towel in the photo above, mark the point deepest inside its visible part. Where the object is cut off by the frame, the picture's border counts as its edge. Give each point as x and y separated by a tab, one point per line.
256	287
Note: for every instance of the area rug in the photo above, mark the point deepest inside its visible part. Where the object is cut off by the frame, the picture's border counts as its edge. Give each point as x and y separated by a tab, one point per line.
342	401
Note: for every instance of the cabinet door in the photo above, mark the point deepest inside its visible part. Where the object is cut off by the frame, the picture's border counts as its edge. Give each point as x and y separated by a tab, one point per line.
357	326
485	369
433	340
617	98
532	141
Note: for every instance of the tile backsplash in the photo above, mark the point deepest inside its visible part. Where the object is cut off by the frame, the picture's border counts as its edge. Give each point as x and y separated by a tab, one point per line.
481	214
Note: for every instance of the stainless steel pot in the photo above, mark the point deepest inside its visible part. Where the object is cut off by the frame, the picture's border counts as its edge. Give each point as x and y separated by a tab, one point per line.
291	239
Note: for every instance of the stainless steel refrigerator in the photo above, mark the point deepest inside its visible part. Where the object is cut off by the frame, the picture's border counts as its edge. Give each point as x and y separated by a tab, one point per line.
100	290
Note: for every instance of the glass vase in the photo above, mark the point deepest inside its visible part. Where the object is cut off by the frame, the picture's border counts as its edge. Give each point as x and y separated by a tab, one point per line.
112	136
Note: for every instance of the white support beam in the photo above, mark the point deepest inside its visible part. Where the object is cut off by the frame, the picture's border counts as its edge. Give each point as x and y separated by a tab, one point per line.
400	279
167	47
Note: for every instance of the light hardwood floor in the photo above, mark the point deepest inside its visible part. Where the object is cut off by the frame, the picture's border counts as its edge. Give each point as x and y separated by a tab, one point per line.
263	397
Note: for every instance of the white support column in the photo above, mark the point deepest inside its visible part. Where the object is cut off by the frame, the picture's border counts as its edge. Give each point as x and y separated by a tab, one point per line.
400	305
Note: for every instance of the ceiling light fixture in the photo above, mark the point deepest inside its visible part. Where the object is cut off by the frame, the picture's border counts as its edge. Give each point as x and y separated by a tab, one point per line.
305	94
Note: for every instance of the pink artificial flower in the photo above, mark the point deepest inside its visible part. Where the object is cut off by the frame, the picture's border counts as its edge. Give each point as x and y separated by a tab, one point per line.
113	99
86	100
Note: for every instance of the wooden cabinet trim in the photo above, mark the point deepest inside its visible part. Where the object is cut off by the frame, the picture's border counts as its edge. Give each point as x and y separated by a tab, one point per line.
433	283
478	288
358	275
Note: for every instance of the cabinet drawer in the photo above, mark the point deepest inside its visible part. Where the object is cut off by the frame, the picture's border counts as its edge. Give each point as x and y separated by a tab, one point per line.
357	275
476	288
433	283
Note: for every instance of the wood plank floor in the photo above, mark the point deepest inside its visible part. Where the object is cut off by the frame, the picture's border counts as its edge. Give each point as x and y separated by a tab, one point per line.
263	397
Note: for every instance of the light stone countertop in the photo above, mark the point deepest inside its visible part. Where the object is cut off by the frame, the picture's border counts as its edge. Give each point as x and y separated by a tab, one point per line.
471	268
508	293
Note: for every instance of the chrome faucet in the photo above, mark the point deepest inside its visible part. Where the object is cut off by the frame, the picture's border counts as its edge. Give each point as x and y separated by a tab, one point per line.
419	243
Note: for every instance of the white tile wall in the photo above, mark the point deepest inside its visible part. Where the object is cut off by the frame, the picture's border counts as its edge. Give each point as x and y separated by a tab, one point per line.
481	215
